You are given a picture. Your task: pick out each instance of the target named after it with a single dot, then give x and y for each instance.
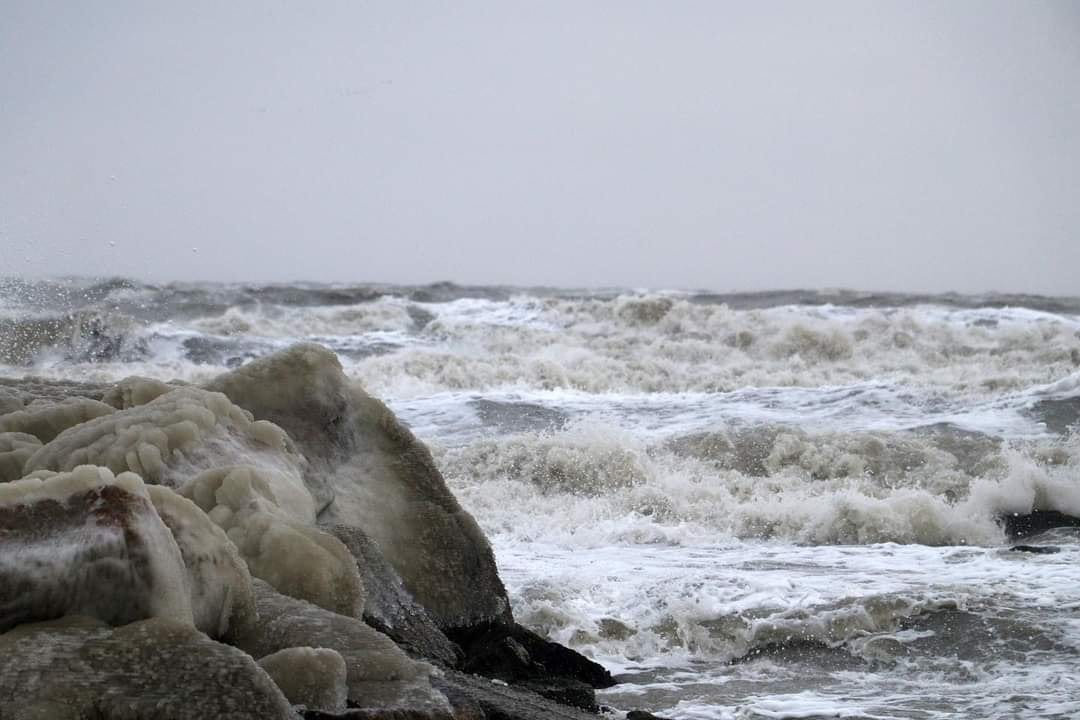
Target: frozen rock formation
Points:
(87, 543)
(218, 580)
(155, 669)
(47, 420)
(384, 481)
(15, 449)
(169, 439)
(269, 519)
(312, 677)
(380, 675)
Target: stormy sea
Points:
(791, 504)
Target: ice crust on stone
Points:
(218, 580)
(170, 439)
(46, 420)
(87, 542)
(155, 668)
(268, 518)
(134, 391)
(15, 449)
(313, 677)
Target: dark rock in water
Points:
(384, 481)
(389, 608)
(515, 654)
(642, 715)
(470, 693)
(1036, 549)
(203, 350)
(1021, 525)
(154, 669)
(380, 675)
(86, 543)
(563, 690)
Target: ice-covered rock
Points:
(155, 669)
(269, 519)
(134, 391)
(312, 677)
(47, 420)
(15, 449)
(90, 543)
(380, 674)
(170, 439)
(384, 480)
(218, 580)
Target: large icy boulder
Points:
(87, 543)
(384, 481)
(155, 669)
(91, 543)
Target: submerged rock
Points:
(87, 543)
(154, 669)
(384, 481)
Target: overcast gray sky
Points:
(873, 145)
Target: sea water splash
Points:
(767, 505)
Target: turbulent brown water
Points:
(777, 504)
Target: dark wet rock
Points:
(566, 691)
(1021, 525)
(86, 543)
(389, 608)
(515, 654)
(1036, 549)
(642, 715)
(204, 350)
(384, 481)
(154, 669)
(380, 675)
(469, 693)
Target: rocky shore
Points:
(274, 544)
